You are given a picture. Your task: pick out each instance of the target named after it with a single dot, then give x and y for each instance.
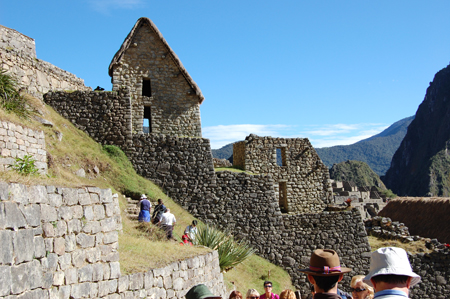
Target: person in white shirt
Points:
(191, 230)
(167, 222)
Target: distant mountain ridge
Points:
(376, 151)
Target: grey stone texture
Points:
(52, 257)
(16, 141)
(18, 57)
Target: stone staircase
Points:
(132, 209)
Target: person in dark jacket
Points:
(160, 208)
(324, 273)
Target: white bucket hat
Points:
(390, 260)
(143, 196)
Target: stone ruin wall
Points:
(71, 237)
(18, 58)
(302, 178)
(100, 114)
(16, 141)
(175, 108)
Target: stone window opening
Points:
(147, 125)
(282, 197)
(281, 156)
(146, 87)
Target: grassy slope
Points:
(137, 252)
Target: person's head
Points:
(268, 287)
(234, 294)
(194, 222)
(360, 289)
(287, 294)
(200, 291)
(325, 270)
(390, 268)
(143, 196)
(159, 201)
(252, 294)
(167, 210)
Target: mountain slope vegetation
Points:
(357, 172)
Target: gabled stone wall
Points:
(174, 106)
(301, 182)
(18, 57)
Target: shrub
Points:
(10, 99)
(25, 165)
(231, 252)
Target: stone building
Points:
(164, 97)
(300, 177)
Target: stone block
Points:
(108, 224)
(111, 237)
(5, 281)
(6, 248)
(136, 281)
(65, 261)
(178, 284)
(97, 272)
(95, 198)
(48, 213)
(23, 239)
(106, 196)
(84, 198)
(4, 191)
(13, 217)
(109, 209)
(65, 213)
(78, 258)
(71, 276)
(48, 230)
(55, 200)
(74, 226)
(70, 196)
(39, 247)
(99, 212)
(59, 245)
(80, 290)
(77, 212)
(148, 280)
(58, 278)
(85, 240)
(103, 288)
(18, 193)
(61, 228)
(32, 213)
(115, 270)
(88, 213)
(85, 273)
(123, 283)
(70, 242)
(93, 255)
(25, 277)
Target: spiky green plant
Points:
(25, 165)
(231, 252)
(10, 99)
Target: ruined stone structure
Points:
(246, 204)
(162, 92)
(301, 179)
(366, 199)
(62, 243)
(18, 57)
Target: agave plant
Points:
(231, 252)
(10, 99)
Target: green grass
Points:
(412, 247)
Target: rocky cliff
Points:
(418, 167)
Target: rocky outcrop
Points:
(418, 168)
(357, 172)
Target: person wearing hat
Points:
(200, 291)
(145, 206)
(390, 273)
(324, 273)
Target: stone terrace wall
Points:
(18, 57)
(303, 174)
(62, 243)
(105, 116)
(17, 141)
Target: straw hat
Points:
(200, 291)
(390, 261)
(325, 262)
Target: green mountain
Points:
(225, 152)
(376, 151)
(357, 172)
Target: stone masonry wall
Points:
(62, 243)
(175, 108)
(103, 115)
(18, 57)
(16, 141)
(302, 174)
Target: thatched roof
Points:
(424, 216)
(127, 42)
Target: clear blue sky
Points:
(333, 71)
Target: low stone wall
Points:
(100, 114)
(62, 243)
(16, 141)
(18, 57)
